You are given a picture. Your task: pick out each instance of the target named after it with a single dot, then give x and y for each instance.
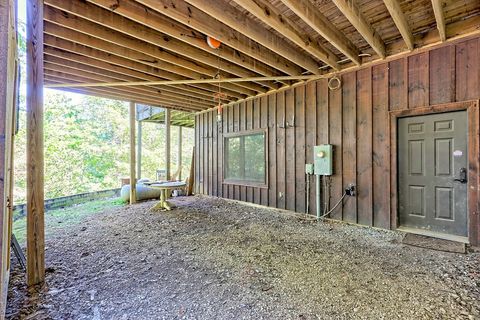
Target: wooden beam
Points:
(440, 18)
(133, 176)
(310, 14)
(167, 143)
(235, 19)
(456, 32)
(104, 24)
(76, 52)
(194, 47)
(8, 93)
(133, 92)
(139, 149)
(135, 53)
(400, 21)
(35, 162)
(56, 77)
(146, 91)
(179, 152)
(352, 12)
(112, 96)
(269, 15)
(97, 67)
(173, 82)
(191, 178)
(200, 21)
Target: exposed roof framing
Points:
(269, 15)
(199, 21)
(235, 19)
(100, 59)
(71, 68)
(75, 21)
(440, 18)
(400, 21)
(223, 58)
(155, 52)
(318, 22)
(147, 113)
(352, 12)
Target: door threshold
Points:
(434, 234)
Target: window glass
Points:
(245, 158)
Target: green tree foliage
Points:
(87, 142)
(87, 145)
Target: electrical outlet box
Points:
(309, 168)
(323, 159)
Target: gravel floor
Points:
(216, 259)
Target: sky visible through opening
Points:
(22, 20)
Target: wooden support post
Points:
(35, 162)
(8, 90)
(191, 178)
(167, 143)
(133, 178)
(139, 149)
(179, 150)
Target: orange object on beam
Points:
(213, 43)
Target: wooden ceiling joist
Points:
(269, 15)
(236, 20)
(200, 21)
(307, 11)
(77, 52)
(156, 51)
(122, 95)
(147, 38)
(221, 80)
(351, 11)
(110, 48)
(165, 96)
(440, 19)
(134, 55)
(133, 92)
(92, 68)
(149, 18)
(107, 94)
(400, 20)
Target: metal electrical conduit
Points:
(318, 198)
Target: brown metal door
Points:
(432, 166)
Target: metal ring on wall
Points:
(334, 83)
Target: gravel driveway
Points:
(216, 259)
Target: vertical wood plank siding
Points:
(355, 119)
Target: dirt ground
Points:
(216, 259)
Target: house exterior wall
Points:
(354, 118)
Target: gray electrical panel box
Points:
(323, 159)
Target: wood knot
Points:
(115, 5)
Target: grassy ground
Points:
(61, 218)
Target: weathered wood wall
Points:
(355, 119)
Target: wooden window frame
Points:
(244, 183)
(473, 194)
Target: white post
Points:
(167, 144)
(139, 149)
(179, 150)
(133, 178)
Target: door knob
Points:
(463, 176)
